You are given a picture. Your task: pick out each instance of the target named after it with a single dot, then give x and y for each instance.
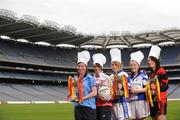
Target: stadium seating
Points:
(24, 62)
(40, 55)
(25, 92)
(27, 53)
(174, 90)
(29, 92)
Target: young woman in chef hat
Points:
(121, 109)
(137, 82)
(158, 84)
(103, 101)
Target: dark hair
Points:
(86, 69)
(156, 62)
(99, 66)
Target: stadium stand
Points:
(174, 91)
(33, 72)
(25, 92)
(29, 55)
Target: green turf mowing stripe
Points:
(59, 111)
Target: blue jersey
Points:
(138, 81)
(88, 83)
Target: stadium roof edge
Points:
(29, 28)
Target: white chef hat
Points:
(137, 56)
(155, 51)
(115, 55)
(99, 58)
(83, 57)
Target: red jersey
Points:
(163, 81)
(102, 80)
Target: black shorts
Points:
(104, 113)
(84, 113)
(154, 111)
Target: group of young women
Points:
(133, 95)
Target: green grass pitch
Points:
(59, 111)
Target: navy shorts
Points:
(84, 113)
(104, 113)
(154, 111)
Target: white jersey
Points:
(121, 108)
(138, 82)
(102, 80)
(119, 74)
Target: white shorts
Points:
(118, 112)
(139, 109)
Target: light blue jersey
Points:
(88, 83)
